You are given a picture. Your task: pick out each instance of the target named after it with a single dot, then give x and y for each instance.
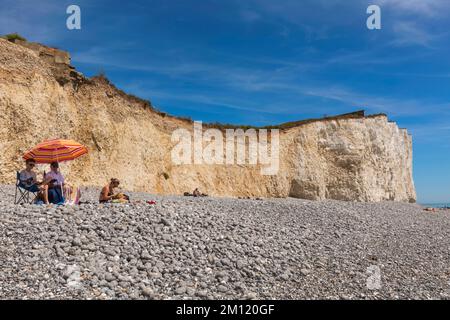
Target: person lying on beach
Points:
(108, 193)
(28, 180)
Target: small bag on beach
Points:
(72, 195)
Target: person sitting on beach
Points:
(28, 180)
(196, 193)
(54, 178)
(27, 176)
(108, 193)
(54, 184)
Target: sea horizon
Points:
(436, 205)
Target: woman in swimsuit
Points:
(107, 193)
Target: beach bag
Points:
(72, 196)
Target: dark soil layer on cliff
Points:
(206, 248)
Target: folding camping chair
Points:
(23, 193)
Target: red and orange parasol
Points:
(57, 150)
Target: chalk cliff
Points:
(351, 157)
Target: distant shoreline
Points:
(436, 205)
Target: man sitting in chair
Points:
(27, 176)
(28, 180)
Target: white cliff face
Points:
(360, 158)
(367, 159)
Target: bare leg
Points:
(67, 192)
(44, 190)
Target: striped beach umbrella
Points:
(57, 150)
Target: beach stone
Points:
(180, 290)
(222, 248)
(148, 293)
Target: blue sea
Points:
(436, 205)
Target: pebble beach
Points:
(220, 248)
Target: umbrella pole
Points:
(62, 189)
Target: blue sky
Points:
(265, 61)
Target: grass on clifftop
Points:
(13, 36)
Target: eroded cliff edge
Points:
(345, 158)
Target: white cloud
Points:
(429, 8)
(409, 33)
